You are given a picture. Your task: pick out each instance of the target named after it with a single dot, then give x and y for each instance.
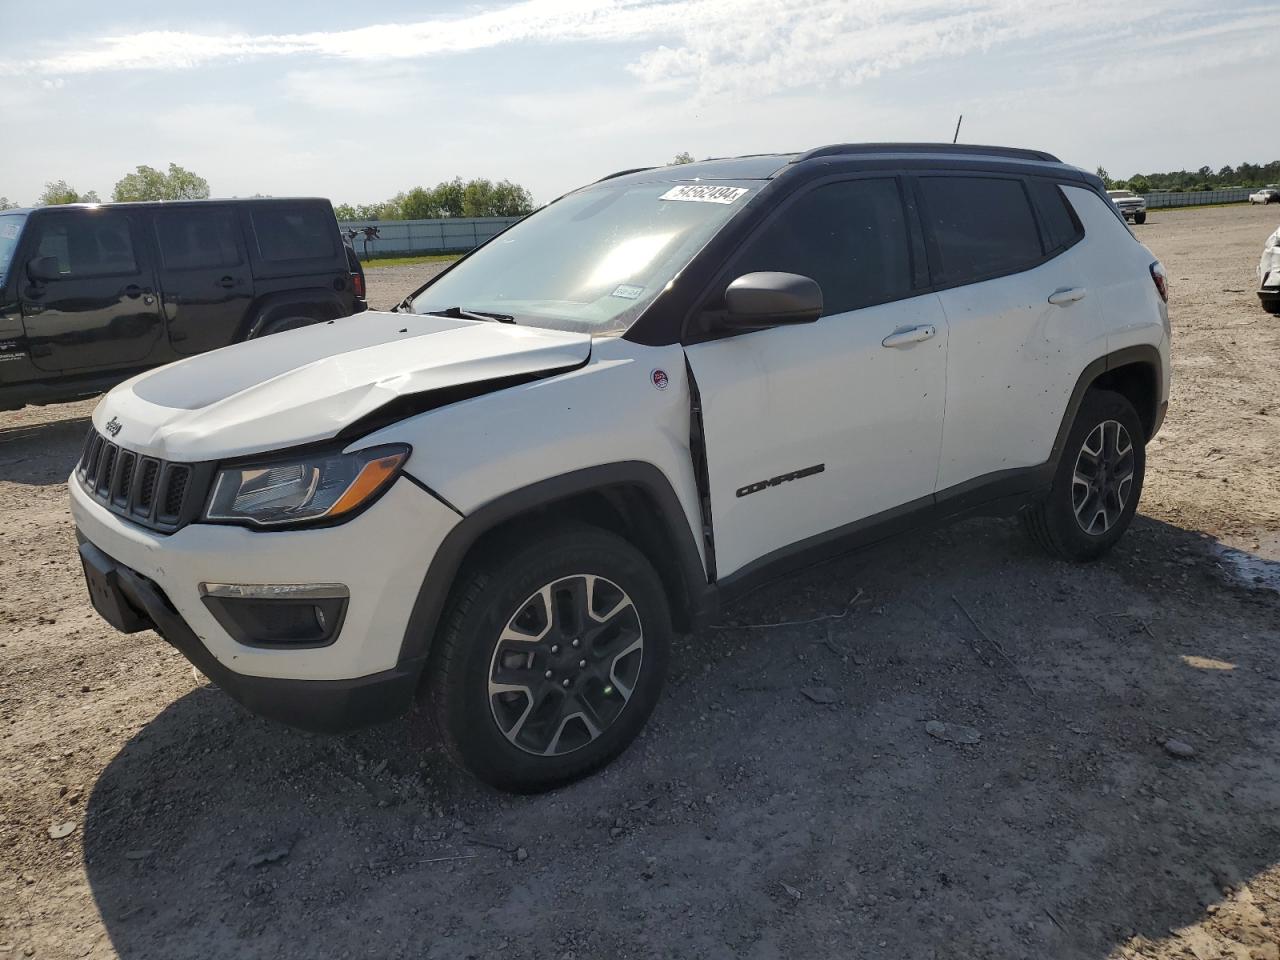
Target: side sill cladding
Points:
(445, 565)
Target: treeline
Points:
(452, 198)
(1184, 181)
(145, 183)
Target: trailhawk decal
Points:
(703, 193)
(751, 488)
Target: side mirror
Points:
(41, 269)
(756, 301)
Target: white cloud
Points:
(747, 46)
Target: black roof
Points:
(766, 166)
(144, 204)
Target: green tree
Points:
(684, 156)
(344, 211)
(451, 197)
(1139, 184)
(5, 204)
(59, 192)
(510, 200)
(148, 183)
(1105, 177)
(420, 204)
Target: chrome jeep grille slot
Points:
(156, 494)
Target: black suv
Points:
(91, 294)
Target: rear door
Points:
(810, 428)
(101, 311)
(205, 281)
(1021, 316)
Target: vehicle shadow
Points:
(40, 454)
(786, 799)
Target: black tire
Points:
(1053, 523)
(490, 596)
(1140, 217)
(285, 323)
(1272, 306)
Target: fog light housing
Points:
(278, 615)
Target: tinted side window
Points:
(851, 237)
(982, 226)
(193, 239)
(96, 244)
(295, 233)
(1061, 226)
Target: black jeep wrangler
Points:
(91, 294)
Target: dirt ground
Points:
(144, 814)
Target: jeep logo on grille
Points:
(114, 426)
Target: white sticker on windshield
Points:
(9, 231)
(704, 193)
(627, 291)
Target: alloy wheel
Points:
(565, 665)
(1103, 477)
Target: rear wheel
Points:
(1097, 484)
(282, 324)
(550, 658)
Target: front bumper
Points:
(131, 602)
(379, 556)
(1269, 297)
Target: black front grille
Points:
(157, 494)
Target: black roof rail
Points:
(968, 149)
(623, 173)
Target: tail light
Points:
(1161, 280)
(357, 283)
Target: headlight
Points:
(308, 489)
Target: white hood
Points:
(306, 385)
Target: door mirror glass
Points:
(758, 300)
(41, 269)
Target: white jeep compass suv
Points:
(631, 407)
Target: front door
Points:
(813, 427)
(100, 311)
(204, 275)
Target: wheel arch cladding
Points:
(1138, 381)
(625, 498)
(1131, 372)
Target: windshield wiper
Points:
(457, 313)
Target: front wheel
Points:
(550, 658)
(1097, 483)
(1140, 217)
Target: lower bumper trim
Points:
(324, 706)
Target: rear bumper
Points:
(328, 706)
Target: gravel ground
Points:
(788, 798)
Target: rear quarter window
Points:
(981, 227)
(1061, 225)
(285, 233)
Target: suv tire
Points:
(550, 658)
(285, 323)
(1097, 484)
(1140, 217)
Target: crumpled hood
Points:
(306, 385)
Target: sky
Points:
(357, 102)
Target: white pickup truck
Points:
(1131, 206)
(1266, 195)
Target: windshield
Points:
(10, 230)
(1119, 193)
(593, 260)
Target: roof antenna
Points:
(955, 138)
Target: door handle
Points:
(228, 282)
(1067, 296)
(904, 338)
